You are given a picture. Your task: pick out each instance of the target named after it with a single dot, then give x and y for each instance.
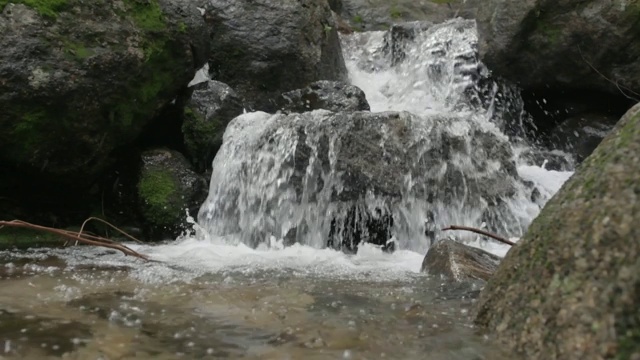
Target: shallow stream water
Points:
(210, 297)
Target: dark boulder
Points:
(580, 135)
(454, 261)
(569, 288)
(167, 188)
(78, 81)
(328, 95)
(212, 105)
(572, 43)
(263, 48)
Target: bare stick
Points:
(481, 232)
(616, 83)
(111, 226)
(84, 239)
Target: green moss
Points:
(442, 1)
(25, 238)
(147, 15)
(157, 191)
(182, 27)
(46, 8)
(395, 13)
(78, 50)
(357, 19)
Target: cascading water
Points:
(432, 152)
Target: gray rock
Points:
(167, 188)
(212, 105)
(329, 95)
(580, 135)
(454, 261)
(263, 48)
(370, 15)
(569, 43)
(78, 82)
(569, 288)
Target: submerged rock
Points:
(328, 95)
(569, 288)
(263, 48)
(167, 188)
(212, 105)
(454, 261)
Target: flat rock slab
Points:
(455, 261)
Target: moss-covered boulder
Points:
(262, 48)
(570, 288)
(79, 79)
(206, 115)
(167, 188)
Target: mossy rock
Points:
(569, 288)
(15, 238)
(80, 79)
(167, 189)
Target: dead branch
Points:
(481, 232)
(77, 237)
(111, 226)
(615, 83)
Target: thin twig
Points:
(84, 239)
(111, 226)
(481, 232)
(617, 85)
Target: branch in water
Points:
(77, 237)
(481, 232)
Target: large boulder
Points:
(211, 106)
(323, 94)
(79, 79)
(567, 44)
(262, 48)
(341, 178)
(570, 287)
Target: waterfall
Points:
(435, 150)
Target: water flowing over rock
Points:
(327, 95)
(212, 105)
(391, 178)
(569, 288)
(77, 82)
(263, 48)
(310, 172)
(454, 261)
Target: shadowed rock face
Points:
(79, 80)
(457, 262)
(570, 288)
(328, 95)
(263, 48)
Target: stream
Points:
(244, 294)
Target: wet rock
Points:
(580, 135)
(329, 95)
(77, 82)
(399, 36)
(212, 105)
(549, 48)
(318, 183)
(454, 261)
(167, 188)
(264, 48)
(569, 288)
(370, 15)
(549, 159)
